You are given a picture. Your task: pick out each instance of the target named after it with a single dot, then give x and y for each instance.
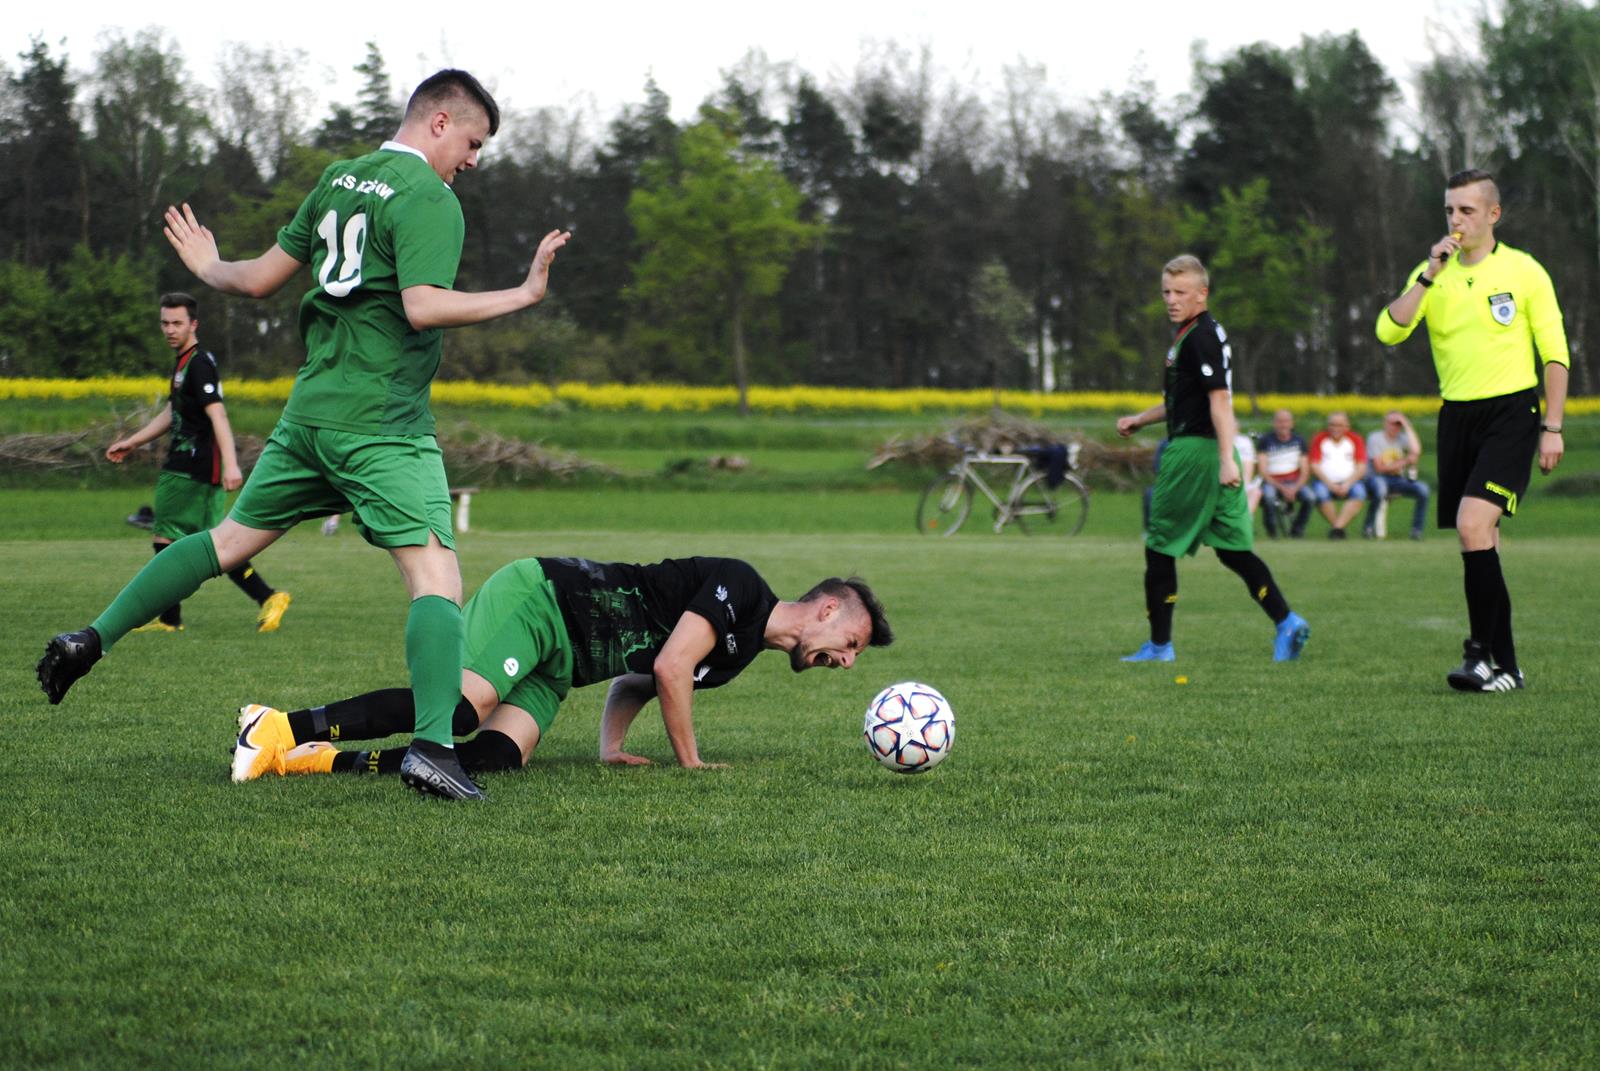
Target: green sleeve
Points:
(428, 232)
(1391, 333)
(299, 236)
(1549, 333)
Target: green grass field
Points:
(1333, 863)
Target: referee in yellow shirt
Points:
(1488, 308)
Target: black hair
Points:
(855, 589)
(450, 84)
(1468, 177)
(177, 299)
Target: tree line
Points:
(894, 229)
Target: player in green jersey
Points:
(1489, 308)
(382, 234)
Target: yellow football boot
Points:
(264, 738)
(312, 757)
(271, 615)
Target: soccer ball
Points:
(910, 727)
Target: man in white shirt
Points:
(1339, 463)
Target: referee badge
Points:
(1503, 307)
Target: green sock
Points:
(167, 579)
(434, 637)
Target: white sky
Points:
(596, 54)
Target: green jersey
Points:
(372, 227)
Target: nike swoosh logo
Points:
(245, 732)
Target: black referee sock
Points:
(1486, 595)
(1258, 581)
(1160, 593)
(251, 584)
(371, 717)
(1503, 649)
(172, 615)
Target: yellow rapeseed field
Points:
(676, 398)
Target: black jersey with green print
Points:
(618, 616)
(1199, 362)
(196, 384)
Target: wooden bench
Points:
(460, 501)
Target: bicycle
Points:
(1029, 500)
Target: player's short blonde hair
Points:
(1188, 264)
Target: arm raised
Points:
(196, 246)
(434, 306)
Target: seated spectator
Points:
(1392, 455)
(1285, 474)
(1339, 468)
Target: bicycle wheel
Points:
(1063, 509)
(945, 504)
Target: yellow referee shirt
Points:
(1484, 323)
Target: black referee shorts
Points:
(1486, 450)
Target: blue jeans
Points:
(1384, 486)
(1271, 498)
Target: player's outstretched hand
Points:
(623, 758)
(118, 450)
(539, 271)
(1127, 425)
(196, 245)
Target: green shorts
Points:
(185, 506)
(393, 484)
(1190, 506)
(517, 641)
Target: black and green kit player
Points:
(542, 626)
(382, 234)
(1199, 498)
(202, 463)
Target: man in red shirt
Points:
(1339, 465)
